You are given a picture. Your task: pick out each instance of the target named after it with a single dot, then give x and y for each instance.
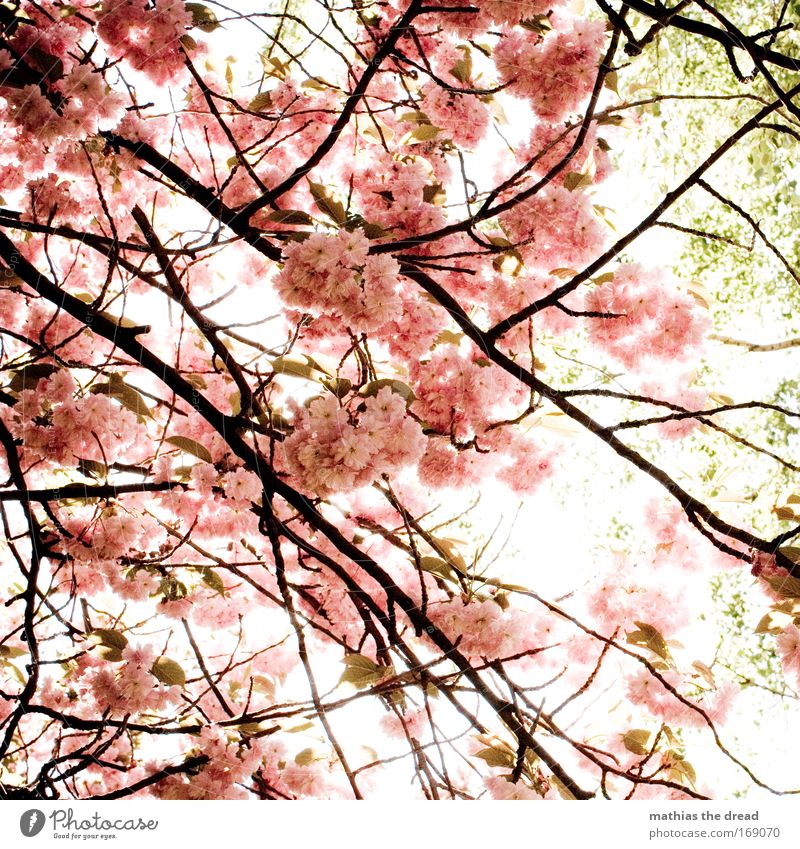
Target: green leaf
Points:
(791, 551)
(326, 203)
(108, 637)
(235, 399)
(305, 757)
(462, 70)
(681, 770)
(397, 386)
(169, 672)
(454, 556)
(298, 365)
(502, 585)
(362, 672)
(51, 66)
(126, 395)
(650, 638)
(785, 585)
(501, 600)
(203, 18)
(637, 740)
(415, 117)
(573, 180)
(9, 280)
(190, 446)
(17, 673)
(423, 133)
(213, 580)
(261, 102)
(250, 728)
(290, 216)
(372, 230)
(437, 566)
(273, 67)
(262, 684)
(434, 193)
(29, 376)
(447, 337)
(563, 273)
(705, 672)
(340, 386)
(12, 651)
(110, 643)
(540, 24)
(317, 84)
(92, 468)
(496, 757)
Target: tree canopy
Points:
(398, 398)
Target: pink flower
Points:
(789, 653)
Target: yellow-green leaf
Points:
(108, 637)
(326, 203)
(29, 376)
(190, 446)
(637, 741)
(362, 672)
(127, 396)
(397, 386)
(650, 638)
(496, 757)
(298, 365)
(290, 216)
(261, 102)
(785, 585)
(213, 580)
(169, 672)
(423, 133)
(437, 566)
(12, 651)
(340, 386)
(203, 18)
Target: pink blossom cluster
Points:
(549, 144)
(557, 73)
(336, 448)
(496, 11)
(672, 706)
(555, 228)
(457, 391)
(334, 273)
(482, 629)
(228, 764)
(789, 654)
(647, 318)
(56, 423)
(683, 395)
(463, 117)
(125, 688)
(147, 37)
